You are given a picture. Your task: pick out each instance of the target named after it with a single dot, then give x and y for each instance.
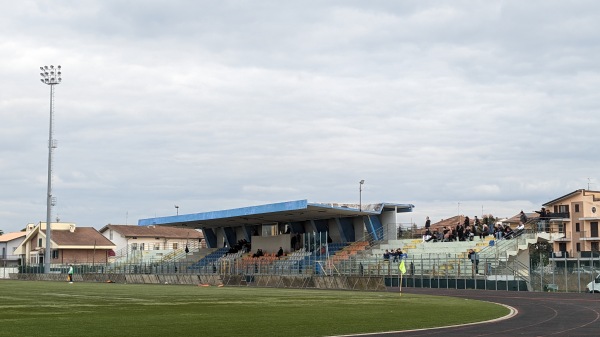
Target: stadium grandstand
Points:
(341, 246)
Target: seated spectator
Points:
(439, 235)
(519, 230)
(279, 252)
(427, 235)
(258, 253)
(508, 232)
(386, 255)
(498, 232)
(446, 233)
(485, 231)
(397, 254)
(433, 236)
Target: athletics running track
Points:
(537, 314)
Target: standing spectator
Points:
(298, 241)
(522, 217)
(293, 242)
(70, 273)
(427, 223)
(543, 216)
(474, 257)
(460, 232)
(479, 227)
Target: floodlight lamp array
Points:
(51, 75)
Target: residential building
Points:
(146, 238)
(575, 216)
(69, 244)
(8, 244)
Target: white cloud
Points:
(213, 105)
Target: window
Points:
(55, 253)
(134, 246)
(156, 246)
(578, 247)
(595, 246)
(563, 208)
(175, 245)
(577, 229)
(576, 208)
(39, 242)
(110, 234)
(4, 252)
(269, 230)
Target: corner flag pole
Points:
(402, 269)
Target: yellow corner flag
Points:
(402, 267)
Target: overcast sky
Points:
(461, 106)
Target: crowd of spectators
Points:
(394, 255)
(469, 230)
(241, 246)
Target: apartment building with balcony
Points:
(575, 216)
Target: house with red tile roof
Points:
(152, 238)
(8, 243)
(69, 244)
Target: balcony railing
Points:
(589, 235)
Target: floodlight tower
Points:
(50, 76)
(360, 185)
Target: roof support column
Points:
(229, 235)
(346, 229)
(210, 237)
(319, 225)
(248, 232)
(374, 227)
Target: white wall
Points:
(4, 272)
(271, 244)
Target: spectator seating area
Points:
(292, 263)
(427, 257)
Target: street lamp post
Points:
(177, 209)
(50, 76)
(360, 184)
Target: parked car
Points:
(594, 286)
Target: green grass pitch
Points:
(29, 308)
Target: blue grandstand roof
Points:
(289, 211)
